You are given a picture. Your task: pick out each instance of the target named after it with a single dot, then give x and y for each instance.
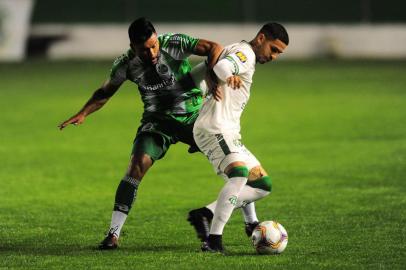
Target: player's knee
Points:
(264, 183)
(256, 173)
(238, 171)
(139, 165)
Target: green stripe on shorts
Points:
(223, 144)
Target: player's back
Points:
(224, 116)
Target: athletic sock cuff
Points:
(238, 171)
(134, 182)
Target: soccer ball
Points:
(269, 237)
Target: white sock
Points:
(250, 215)
(226, 202)
(117, 221)
(212, 206)
(249, 194)
(246, 199)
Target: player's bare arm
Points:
(98, 99)
(210, 49)
(213, 51)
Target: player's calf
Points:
(125, 196)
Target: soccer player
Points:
(217, 134)
(159, 66)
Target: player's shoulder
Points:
(168, 39)
(175, 40)
(121, 63)
(242, 50)
(162, 38)
(124, 58)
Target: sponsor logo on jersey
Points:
(163, 85)
(241, 56)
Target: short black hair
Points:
(274, 30)
(140, 30)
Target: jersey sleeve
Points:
(179, 46)
(241, 60)
(198, 74)
(118, 72)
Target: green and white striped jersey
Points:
(166, 89)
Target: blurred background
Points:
(327, 122)
(97, 29)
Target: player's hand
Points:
(234, 82)
(74, 120)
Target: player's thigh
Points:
(155, 145)
(210, 147)
(240, 156)
(220, 149)
(147, 148)
(184, 133)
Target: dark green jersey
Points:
(166, 89)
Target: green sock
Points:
(126, 194)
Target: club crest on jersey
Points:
(148, 127)
(163, 71)
(241, 56)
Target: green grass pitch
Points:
(332, 134)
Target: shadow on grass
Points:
(37, 249)
(71, 249)
(240, 254)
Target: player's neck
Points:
(254, 45)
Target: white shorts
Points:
(224, 149)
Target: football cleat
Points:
(205, 246)
(193, 149)
(200, 219)
(249, 227)
(214, 244)
(110, 242)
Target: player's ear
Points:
(261, 38)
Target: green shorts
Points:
(155, 135)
